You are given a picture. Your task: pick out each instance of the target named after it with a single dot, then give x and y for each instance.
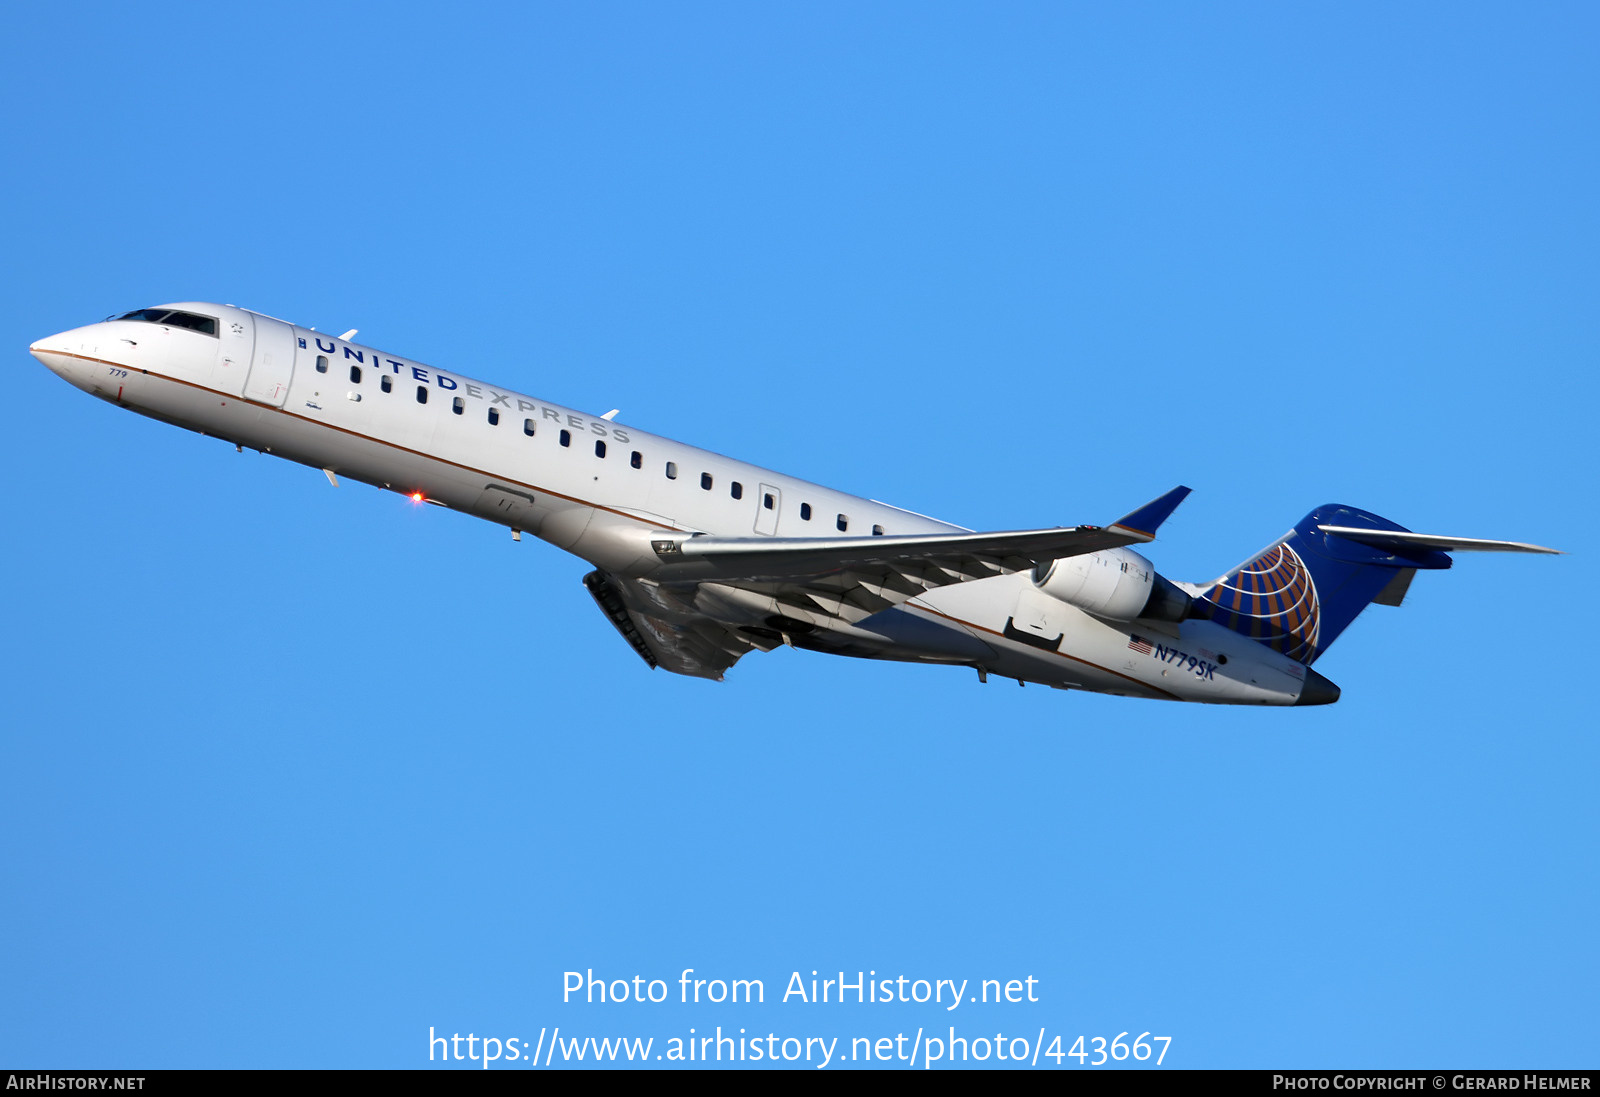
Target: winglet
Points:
(1144, 522)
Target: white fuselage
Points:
(598, 489)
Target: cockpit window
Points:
(204, 324)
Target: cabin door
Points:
(271, 365)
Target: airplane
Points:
(700, 559)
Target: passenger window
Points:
(877, 531)
(422, 394)
(385, 383)
(843, 523)
(322, 363)
(672, 470)
(705, 481)
(599, 448)
(458, 405)
(527, 427)
(737, 490)
(637, 460)
(355, 375)
(566, 438)
(494, 417)
(805, 512)
(768, 501)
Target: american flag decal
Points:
(1139, 644)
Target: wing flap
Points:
(663, 632)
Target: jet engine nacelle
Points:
(1117, 584)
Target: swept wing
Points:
(682, 617)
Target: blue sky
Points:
(294, 774)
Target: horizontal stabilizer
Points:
(1398, 540)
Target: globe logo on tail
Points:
(1271, 599)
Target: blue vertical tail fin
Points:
(1300, 593)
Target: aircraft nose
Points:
(41, 347)
(48, 349)
(55, 353)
